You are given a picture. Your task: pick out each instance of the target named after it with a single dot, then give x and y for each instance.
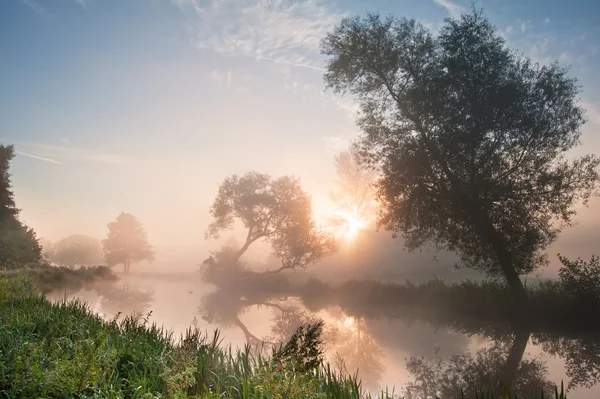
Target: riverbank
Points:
(49, 350)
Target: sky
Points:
(145, 106)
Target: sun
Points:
(347, 225)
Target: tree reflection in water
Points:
(344, 337)
(486, 369)
(354, 343)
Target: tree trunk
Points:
(515, 355)
(493, 237)
(277, 270)
(243, 249)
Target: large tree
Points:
(276, 211)
(127, 242)
(470, 139)
(77, 249)
(18, 242)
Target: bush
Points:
(580, 278)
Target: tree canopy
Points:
(469, 139)
(127, 242)
(77, 249)
(18, 242)
(277, 211)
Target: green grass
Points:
(63, 350)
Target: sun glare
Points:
(348, 225)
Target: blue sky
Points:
(145, 106)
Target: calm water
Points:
(387, 351)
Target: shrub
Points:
(580, 278)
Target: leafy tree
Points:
(276, 211)
(127, 242)
(469, 138)
(77, 249)
(18, 242)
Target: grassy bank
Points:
(63, 350)
(47, 278)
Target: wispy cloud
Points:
(291, 63)
(35, 6)
(50, 151)
(49, 160)
(453, 9)
(547, 20)
(281, 31)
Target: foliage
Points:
(127, 242)
(222, 266)
(76, 249)
(47, 278)
(18, 242)
(277, 211)
(304, 348)
(581, 278)
(469, 139)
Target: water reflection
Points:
(484, 369)
(418, 353)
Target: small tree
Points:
(469, 139)
(276, 211)
(18, 243)
(77, 249)
(126, 243)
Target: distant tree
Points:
(276, 211)
(126, 243)
(353, 194)
(353, 189)
(468, 138)
(77, 249)
(18, 242)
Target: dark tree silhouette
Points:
(469, 139)
(276, 211)
(77, 249)
(126, 243)
(18, 243)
